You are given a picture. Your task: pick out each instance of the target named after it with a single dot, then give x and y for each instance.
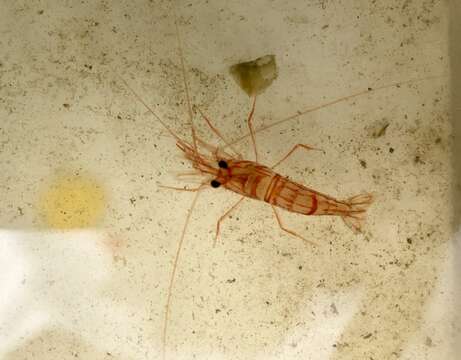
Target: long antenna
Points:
(173, 273)
(184, 76)
(328, 103)
(140, 99)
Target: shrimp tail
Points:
(356, 216)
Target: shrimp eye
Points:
(215, 183)
(222, 164)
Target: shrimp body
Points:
(260, 182)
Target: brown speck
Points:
(391, 150)
(325, 27)
(217, 311)
(40, 12)
(363, 163)
(119, 117)
(417, 159)
(438, 140)
(409, 241)
(333, 309)
(381, 131)
(300, 267)
(66, 105)
(370, 89)
(230, 281)
(428, 341)
(21, 213)
(367, 336)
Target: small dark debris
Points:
(230, 281)
(66, 105)
(417, 159)
(391, 150)
(40, 12)
(119, 117)
(409, 241)
(381, 131)
(363, 163)
(333, 308)
(267, 302)
(89, 67)
(367, 336)
(438, 140)
(20, 211)
(132, 201)
(428, 341)
(217, 311)
(300, 267)
(325, 27)
(370, 89)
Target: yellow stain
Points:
(72, 202)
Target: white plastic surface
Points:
(88, 238)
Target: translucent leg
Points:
(226, 214)
(217, 132)
(296, 147)
(291, 232)
(181, 189)
(250, 126)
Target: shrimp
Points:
(250, 179)
(218, 168)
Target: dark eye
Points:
(215, 183)
(222, 164)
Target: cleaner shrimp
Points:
(223, 168)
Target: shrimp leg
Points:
(296, 147)
(181, 189)
(226, 214)
(252, 131)
(291, 232)
(216, 131)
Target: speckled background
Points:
(88, 238)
